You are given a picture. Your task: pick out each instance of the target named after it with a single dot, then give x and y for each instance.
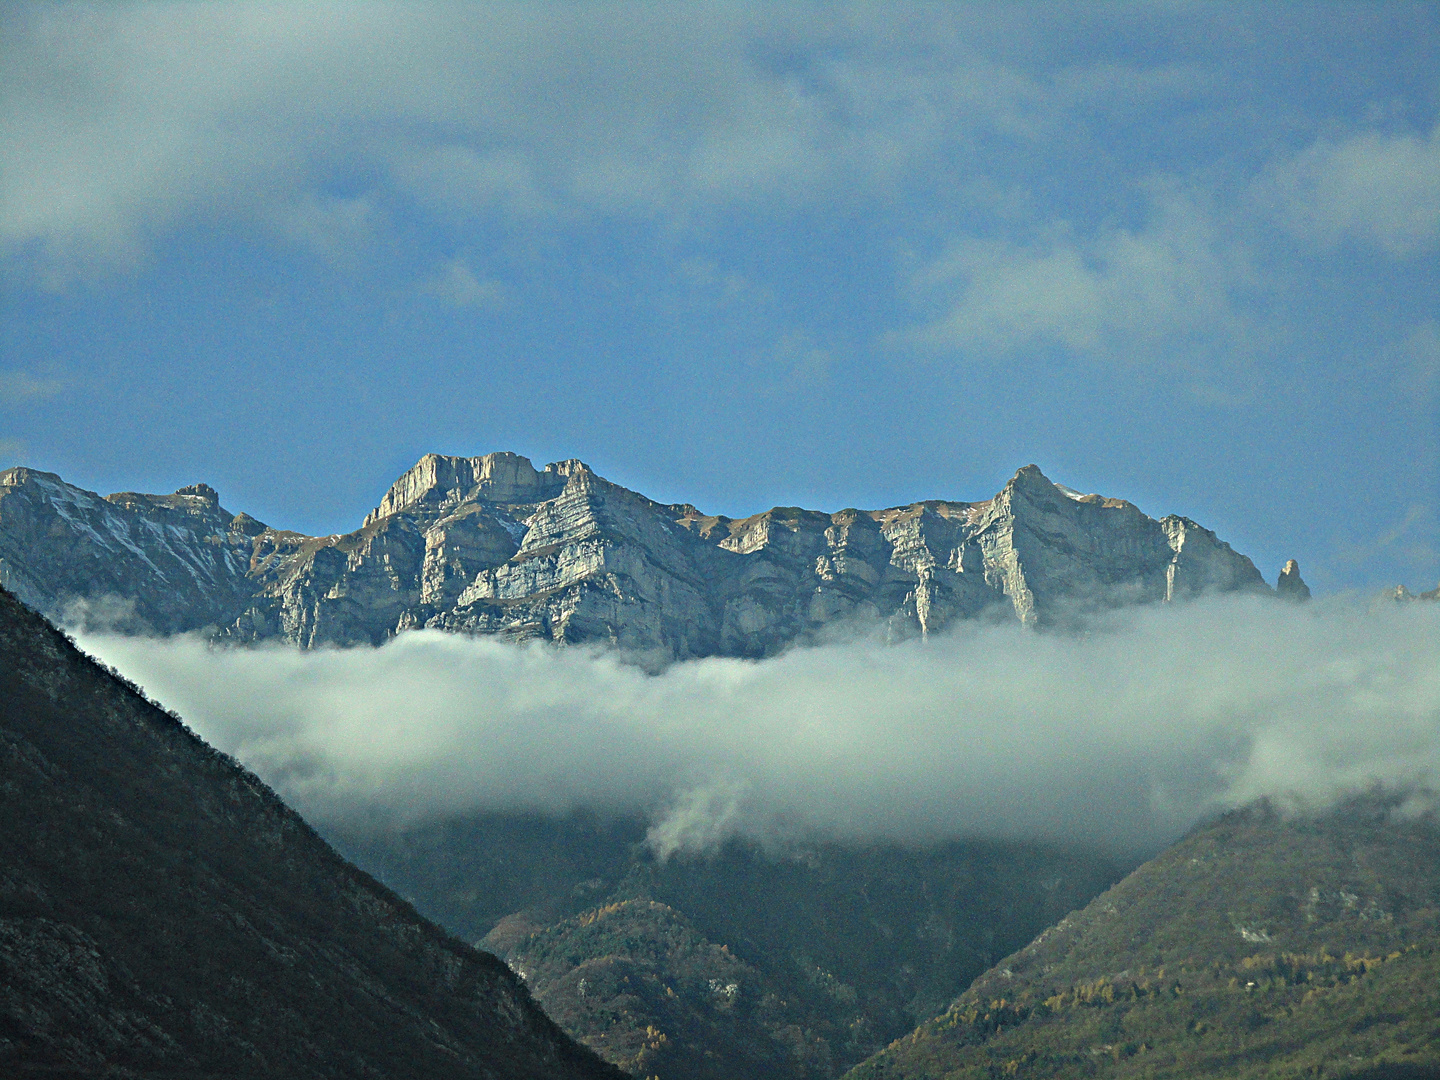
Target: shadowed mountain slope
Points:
(164, 914)
(791, 962)
(490, 545)
(1256, 947)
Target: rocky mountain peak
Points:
(569, 467)
(1031, 481)
(491, 544)
(200, 491)
(1400, 592)
(245, 525)
(1291, 586)
(1032, 486)
(439, 481)
(577, 476)
(45, 485)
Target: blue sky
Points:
(738, 255)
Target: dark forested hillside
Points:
(1256, 947)
(162, 913)
(796, 961)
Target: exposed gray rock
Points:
(1400, 592)
(1052, 551)
(1291, 586)
(437, 483)
(491, 545)
(162, 563)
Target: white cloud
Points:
(1148, 293)
(795, 364)
(1372, 187)
(457, 179)
(118, 121)
(1124, 735)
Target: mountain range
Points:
(491, 545)
(162, 912)
(164, 915)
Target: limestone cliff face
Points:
(1051, 550)
(437, 483)
(156, 562)
(491, 545)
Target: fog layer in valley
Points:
(1124, 734)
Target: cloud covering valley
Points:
(1123, 735)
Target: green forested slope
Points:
(1256, 947)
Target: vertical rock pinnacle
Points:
(1291, 585)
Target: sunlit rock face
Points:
(491, 545)
(1052, 550)
(161, 563)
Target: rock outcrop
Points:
(162, 563)
(491, 545)
(1401, 593)
(1291, 586)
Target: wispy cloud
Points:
(336, 229)
(795, 364)
(249, 110)
(1373, 187)
(458, 285)
(1151, 295)
(17, 387)
(1122, 736)
(168, 110)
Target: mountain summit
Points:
(492, 545)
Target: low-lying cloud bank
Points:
(1123, 735)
